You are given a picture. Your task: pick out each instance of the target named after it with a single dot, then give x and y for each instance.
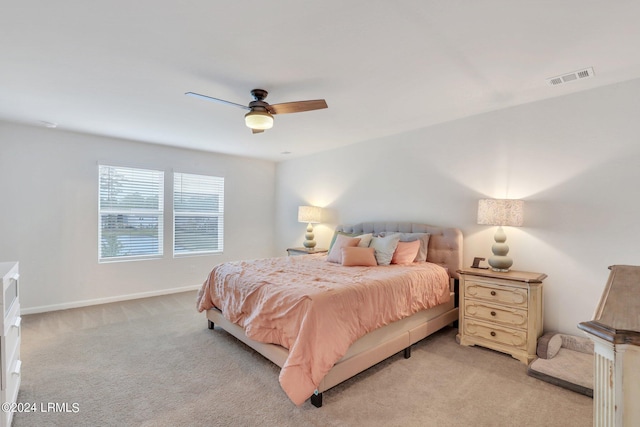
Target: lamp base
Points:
(500, 261)
(309, 243)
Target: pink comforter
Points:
(317, 309)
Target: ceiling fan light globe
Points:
(261, 120)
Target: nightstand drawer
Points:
(503, 315)
(513, 338)
(498, 294)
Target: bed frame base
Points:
(316, 398)
(353, 365)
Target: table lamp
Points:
(500, 212)
(310, 215)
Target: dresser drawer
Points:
(13, 378)
(495, 333)
(11, 340)
(498, 294)
(501, 314)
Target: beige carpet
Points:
(153, 362)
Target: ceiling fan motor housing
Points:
(259, 94)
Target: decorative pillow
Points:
(342, 241)
(424, 243)
(385, 247)
(549, 345)
(405, 252)
(359, 256)
(339, 233)
(365, 240)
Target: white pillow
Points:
(365, 240)
(385, 247)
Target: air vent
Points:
(570, 77)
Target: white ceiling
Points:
(120, 68)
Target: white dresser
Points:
(10, 339)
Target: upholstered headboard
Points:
(445, 244)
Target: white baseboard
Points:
(85, 303)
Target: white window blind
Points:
(198, 214)
(131, 213)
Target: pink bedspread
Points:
(317, 309)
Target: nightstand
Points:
(305, 251)
(501, 310)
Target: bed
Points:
(347, 319)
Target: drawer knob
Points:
(493, 293)
(17, 368)
(16, 322)
(493, 313)
(493, 334)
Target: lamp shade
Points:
(500, 212)
(260, 120)
(309, 214)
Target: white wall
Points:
(49, 220)
(575, 160)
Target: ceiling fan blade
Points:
(257, 130)
(221, 101)
(297, 107)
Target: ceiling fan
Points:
(260, 115)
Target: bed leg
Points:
(210, 324)
(316, 400)
(407, 352)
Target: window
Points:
(198, 214)
(131, 213)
